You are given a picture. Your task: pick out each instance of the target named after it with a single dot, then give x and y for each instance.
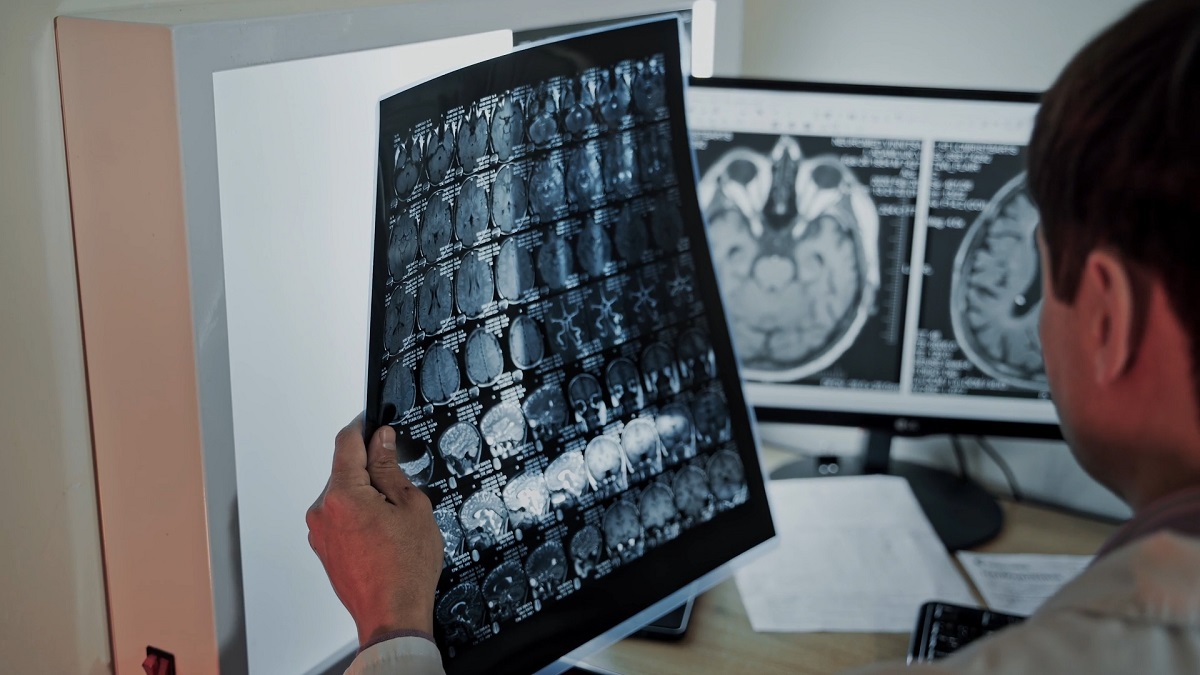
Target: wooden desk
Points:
(720, 640)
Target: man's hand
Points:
(375, 534)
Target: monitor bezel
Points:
(896, 424)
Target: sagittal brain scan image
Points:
(982, 302)
(544, 342)
(803, 231)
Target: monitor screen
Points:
(876, 253)
(546, 339)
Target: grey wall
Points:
(1014, 44)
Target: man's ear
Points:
(1106, 292)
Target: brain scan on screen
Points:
(400, 320)
(577, 104)
(676, 431)
(473, 284)
(555, 261)
(527, 499)
(629, 235)
(588, 402)
(794, 241)
(639, 440)
(399, 392)
(451, 529)
(460, 611)
(693, 497)
(586, 547)
(606, 463)
(514, 270)
(437, 226)
(545, 410)
(526, 343)
(543, 114)
(621, 176)
(996, 291)
(613, 96)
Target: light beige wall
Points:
(1000, 44)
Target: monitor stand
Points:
(963, 514)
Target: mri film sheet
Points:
(978, 330)
(547, 343)
(810, 239)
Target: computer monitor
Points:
(876, 253)
(548, 341)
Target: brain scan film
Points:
(594, 248)
(460, 446)
(437, 227)
(419, 468)
(566, 477)
(996, 293)
(452, 534)
(473, 285)
(623, 531)
(514, 271)
(503, 428)
(586, 546)
(547, 565)
(545, 342)
(556, 261)
(527, 499)
(605, 461)
(402, 246)
(546, 409)
(795, 242)
(588, 402)
(439, 374)
(547, 190)
(510, 199)
(692, 495)
(485, 358)
(472, 139)
(630, 235)
(407, 160)
(508, 127)
(461, 612)
(526, 343)
(577, 104)
(484, 519)
(504, 590)
(657, 507)
(400, 320)
(439, 153)
(677, 432)
(435, 302)
(543, 126)
(471, 212)
(399, 392)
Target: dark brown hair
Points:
(1114, 161)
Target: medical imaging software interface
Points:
(876, 253)
(546, 336)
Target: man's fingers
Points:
(350, 454)
(382, 464)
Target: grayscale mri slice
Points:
(995, 297)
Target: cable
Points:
(960, 456)
(1004, 467)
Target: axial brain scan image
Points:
(996, 293)
(794, 240)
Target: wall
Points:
(1016, 44)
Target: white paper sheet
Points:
(856, 554)
(1018, 583)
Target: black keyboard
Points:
(943, 628)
